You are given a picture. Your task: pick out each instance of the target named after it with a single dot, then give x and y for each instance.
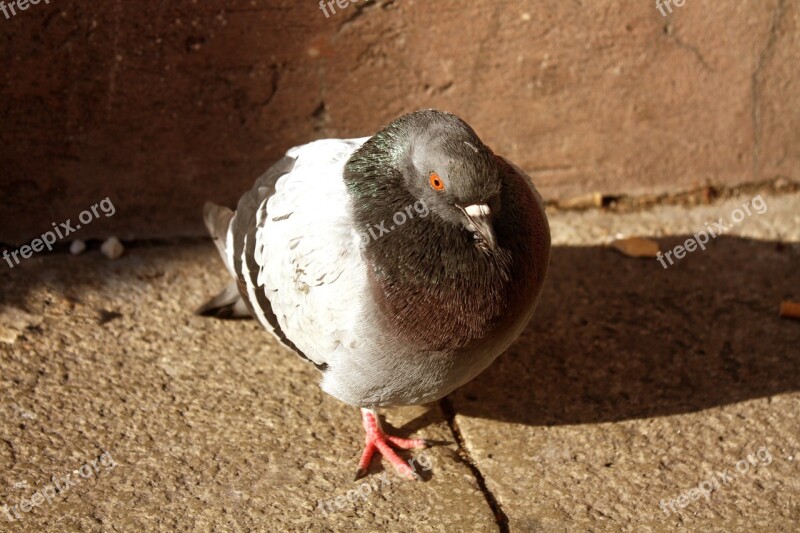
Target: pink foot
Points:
(376, 439)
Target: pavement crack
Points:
(12, 451)
(463, 455)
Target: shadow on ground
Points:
(616, 338)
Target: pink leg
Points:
(376, 439)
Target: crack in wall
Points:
(357, 12)
(670, 33)
(275, 79)
(757, 81)
(464, 457)
(692, 48)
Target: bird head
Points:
(454, 173)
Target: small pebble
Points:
(14, 322)
(112, 248)
(77, 247)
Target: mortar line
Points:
(464, 457)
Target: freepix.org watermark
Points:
(712, 231)
(325, 5)
(762, 457)
(668, 5)
(59, 486)
(369, 487)
(60, 231)
(22, 5)
(376, 231)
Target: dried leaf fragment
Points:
(790, 309)
(636, 247)
(584, 201)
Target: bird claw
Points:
(361, 472)
(377, 440)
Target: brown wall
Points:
(162, 105)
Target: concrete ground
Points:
(633, 386)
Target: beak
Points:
(479, 222)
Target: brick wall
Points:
(162, 105)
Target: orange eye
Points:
(436, 182)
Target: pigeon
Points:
(400, 265)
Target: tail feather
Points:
(226, 304)
(218, 220)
